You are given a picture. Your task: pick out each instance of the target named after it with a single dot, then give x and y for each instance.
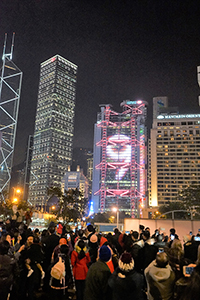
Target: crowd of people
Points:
(86, 265)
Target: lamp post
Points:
(115, 209)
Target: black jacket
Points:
(129, 285)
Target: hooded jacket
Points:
(80, 266)
(160, 282)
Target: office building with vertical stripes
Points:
(54, 127)
(119, 161)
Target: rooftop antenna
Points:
(8, 55)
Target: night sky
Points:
(134, 49)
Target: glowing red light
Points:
(53, 59)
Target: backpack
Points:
(58, 270)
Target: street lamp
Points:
(15, 200)
(115, 209)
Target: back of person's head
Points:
(141, 227)
(52, 229)
(116, 231)
(64, 249)
(176, 244)
(135, 235)
(62, 241)
(44, 232)
(146, 235)
(161, 259)
(36, 231)
(105, 253)
(4, 247)
(81, 245)
(36, 240)
(80, 233)
(172, 231)
(90, 228)
(126, 262)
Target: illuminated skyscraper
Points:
(54, 126)
(10, 88)
(119, 169)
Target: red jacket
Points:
(79, 267)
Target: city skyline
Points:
(133, 50)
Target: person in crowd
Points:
(59, 287)
(192, 290)
(125, 282)
(25, 286)
(14, 249)
(137, 245)
(81, 236)
(59, 229)
(35, 257)
(160, 278)
(116, 243)
(147, 253)
(50, 243)
(80, 259)
(56, 250)
(190, 248)
(141, 231)
(8, 268)
(176, 258)
(159, 243)
(172, 236)
(92, 243)
(96, 285)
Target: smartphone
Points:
(189, 270)
(68, 235)
(172, 237)
(190, 232)
(0, 228)
(161, 250)
(197, 238)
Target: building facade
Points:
(174, 156)
(119, 159)
(75, 179)
(10, 89)
(54, 126)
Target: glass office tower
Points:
(54, 127)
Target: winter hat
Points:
(62, 241)
(126, 262)
(93, 238)
(104, 253)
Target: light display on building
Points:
(120, 158)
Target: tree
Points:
(172, 206)
(190, 197)
(71, 205)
